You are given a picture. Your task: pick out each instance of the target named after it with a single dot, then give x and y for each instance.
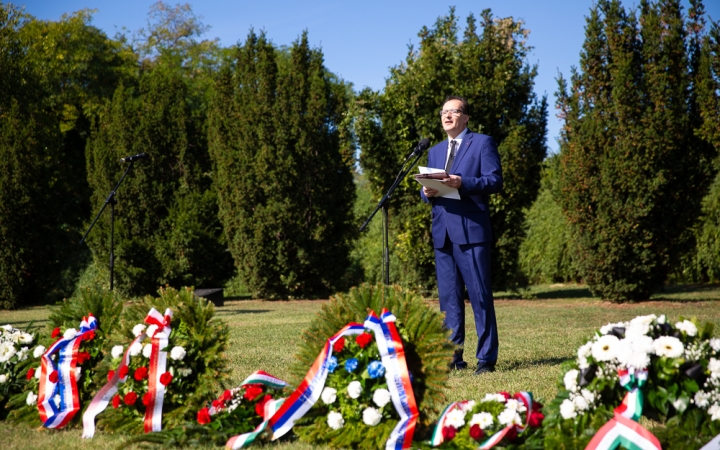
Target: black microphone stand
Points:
(110, 200)
(383, 204)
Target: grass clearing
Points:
(536, 336)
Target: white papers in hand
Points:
(443, 190)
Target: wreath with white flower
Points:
(15, 359)
(647, 366)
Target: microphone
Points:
(134, 157)
(422, 146)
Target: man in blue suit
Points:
(461, 231)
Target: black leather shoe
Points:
(484, 368)
(460, 365)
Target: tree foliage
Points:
(633, 166)
(488, 67)
(282, 168)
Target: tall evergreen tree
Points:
(488, 67)
(632, 165)
(282, 169)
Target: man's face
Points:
(453, 124)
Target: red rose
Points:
(476, 432)
(537, 406)
(147, 398)
(166, 378)
(82, 357)
(339, 345)
(536, 419)
(511, 434)
(111, 373)
(90, 335)
(227, 396)
(123, 371)
(140, 373)
(53, 376)
(363, 339)
(56, 332)
(31, 373)
(130, 398)
(253, 391)
(116, 401)
(218, 404)
(449, 432)
(260, 406)
(506, 395)
(203, 416)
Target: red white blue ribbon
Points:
(305, 396)
(158, 362)
(397, 376)
(65, 388)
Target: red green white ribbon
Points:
(64, 388)
(264, 378)
(243, 440)
(437, 437)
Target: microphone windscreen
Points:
(424, 143)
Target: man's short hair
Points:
(465, 106)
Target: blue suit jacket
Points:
(466, 221)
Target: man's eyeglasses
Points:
(454, 112)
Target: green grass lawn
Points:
(536, 336)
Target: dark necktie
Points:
(448, 166)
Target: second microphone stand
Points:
(383, 204)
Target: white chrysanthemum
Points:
(23, 354)
(605, 348)
(39, 351)
(177, 353)
(138, 329)
(605, 329)
(14, 336)
(151, 330)
(147, 350)
(640, 325)
(668, 346)
(7, 351)
(135, 349)
(588, 395)
(3, 378)
(687, 327)
(680, 404)
(354, 389)
(371, 416)
(7, 327)
(329, 395)
(31, 398)
(70, 333)
(714, 411)
(580, 403)
(184, 372)
(516, 405)
(117, 351)
(493, 398)
(583, 352)
(37, 373)
(662, 319)
(26, 338)
(571, 380)
(509, 417)
(567, 409)
(335, 420)
(702, 399)
(484, 419)
(714, 367)
(381, 397)
(455, 418)
(467, 406)
(630, 356)
(715, 344)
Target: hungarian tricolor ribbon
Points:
(437, 437)
(623, 429)
(269, 409)
(105, 395)
(305, 396)
(58, 396)
(397, 375)
(158, 362)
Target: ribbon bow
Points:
(59, 380)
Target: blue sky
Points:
(362, 39)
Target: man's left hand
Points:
(454, 181)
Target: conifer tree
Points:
(488, 67)
(282, 169)
(632, 165)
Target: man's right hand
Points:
(429, 192)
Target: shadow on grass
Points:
(18, 323)
(547, 295)
(515, 365)
(238, 312)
